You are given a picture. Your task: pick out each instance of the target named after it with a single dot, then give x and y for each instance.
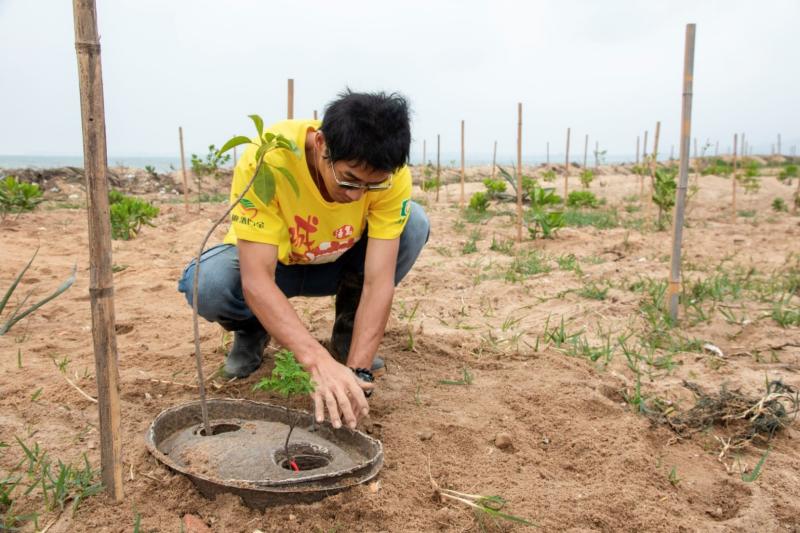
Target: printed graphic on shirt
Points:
(302, 238)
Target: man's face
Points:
(339, 177)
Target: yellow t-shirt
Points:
(306, 228)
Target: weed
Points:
(129, 214)
(505, 246)
(785, 317)
(593, 291)
(17, 197)
(494, 187)
(479, 201)
(569, 263)
(598, 219)
(754, 475)
(747, 213)
(673, 476)
(466, 379)
(779, 205)
(526, 263)
(558, 334)
(471, 246)
(582, 199)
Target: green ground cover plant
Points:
(582, 199)
(129, 214)
(17, 197)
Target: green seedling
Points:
(17, 197)
(582, 199)
(129, 214)
(587, 176)
(18, 313)
(756, 473)
(288, 379)
(479, 202)
(494, 187)
(210, 166)
(549, 175)
(593, 291)
(504, 247)
(471, 246)
(483, 505)
(664, 187)
(673, 476)
(525, 264)
(779, 205)
(466, 379)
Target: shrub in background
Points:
(129, 214)
(17, 197)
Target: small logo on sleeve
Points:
(405, 207)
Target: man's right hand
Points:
(338, 390)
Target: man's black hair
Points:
(369, 128)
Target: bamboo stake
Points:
(654, 161)
(566, 170)
(494, 160)
(101, 280)
(733, 179)
(596, 154)
(695, 147)
(585, 150)
(644, 162)
(680, 201)
(548, 153)
(290, 99)
(743, 149)
(637, 150)
(183, 171)
(461, 199)
(671, 152)
(315, 114)
(438, 164)
(519, 172)
(716, 149)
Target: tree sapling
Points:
(288, 379)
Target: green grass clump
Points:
(479, 201)
(606, 219)
(779, 205)
(593, 291)
(494, 187)
(582, 199)
(129, 214)
(17, 197)
(526, 264)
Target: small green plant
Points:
(210, 166)
(549, 175)
(569, 263)
(484, 505)
(471, 246)
(466, 379)
(494, 187)
(787, 173)
(288, 379)
(779, 205)
(593, 291)
(504, 247)
(756, 473)
(600, 219)
(673, 476)
(587, 176)
(129, 214)
(664, 187)
(526, 263)
(18, 313)
(17, 197)
(582, 199)
(151, 171)
(479, 202)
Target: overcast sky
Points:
(610, 69)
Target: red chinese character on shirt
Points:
(343, 232)
(301, 234)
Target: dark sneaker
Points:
(378, 367)
(246, 353)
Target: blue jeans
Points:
(219, 289)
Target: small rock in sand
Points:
(425, 434)
(503, 441)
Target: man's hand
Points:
(338, 390)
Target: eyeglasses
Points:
(382, 186)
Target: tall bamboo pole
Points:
(290, 99)
(566, 170)
(438, 164)
(461, 199)
(585, 149)
(101, 281)
(671, 152)
(680, 201)
(494, 160)
(519, 172)
(547, 159)
(654, 161)
(734, 180)
(183, 172)
(315, 114)
(716, 149)
(596, 154)
(644, 163)
(637, 150)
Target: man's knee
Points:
(218, 282)
(413, 239)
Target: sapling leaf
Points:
(264, 185)
(13, 286)
(259, 124)
(235, 141)
(290, 179)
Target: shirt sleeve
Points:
(388, 211)
(252, 219)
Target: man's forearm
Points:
(370, 324)
(279, 318)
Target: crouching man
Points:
(352, 231)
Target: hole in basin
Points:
(218, 429)
(305, 456)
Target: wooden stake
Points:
(644, 161)
(743, 145)
(585, 150)
(315, 114)
(519, 172)
(290, 100)
(596, 154)
(733, 179)
(438, 164)
(671, 152)
(183, 171)
(566, 171)
(461, 199)
(654, 161)
(548, 153)
(674, 287)
(716, 149)
(101, 280)
(494, 160)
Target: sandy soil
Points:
(580, 459)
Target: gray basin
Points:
(245, 453)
